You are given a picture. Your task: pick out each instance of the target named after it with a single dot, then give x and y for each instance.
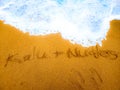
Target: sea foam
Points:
(85, 22)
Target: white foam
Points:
(84, 22)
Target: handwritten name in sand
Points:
(69, 53)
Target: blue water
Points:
(60, 1)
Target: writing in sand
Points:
(69, 53)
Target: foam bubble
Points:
(84, 22)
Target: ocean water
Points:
(85, 22)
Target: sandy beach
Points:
(51, 63)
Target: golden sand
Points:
(52, 63)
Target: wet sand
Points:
(52, 63)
